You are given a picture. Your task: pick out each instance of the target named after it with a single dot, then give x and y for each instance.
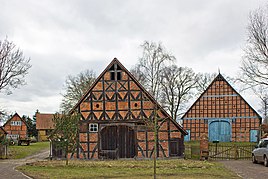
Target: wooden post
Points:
(236, 152)
(204, 152)
(155, 141)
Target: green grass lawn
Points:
(18, 152)
(175, 168)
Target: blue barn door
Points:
(220, 130)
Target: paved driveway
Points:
(246, 169)
(7, 167)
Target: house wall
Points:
(42, 134)
(123, 102)
(12, 130)
(221, 102)
(90, 141)
(44, 125)
(145, 140)
(240, 128)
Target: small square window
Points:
(93, 127)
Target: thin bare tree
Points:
(75, 88)
(203, 81)
(254, 69)
(177, 88)
(261, 92)
(138, 75)
(150, 66)
(13, 66)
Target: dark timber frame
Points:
(117, 99)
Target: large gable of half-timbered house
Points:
(16, 127)
(222, 114)
(116, 112)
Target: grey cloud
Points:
(66, 37)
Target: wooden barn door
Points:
(108, 143)
(126, 142)
(220, 130)
(176, 147)
(118, 142)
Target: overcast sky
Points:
(66, 37)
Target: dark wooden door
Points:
(118, 142)
(108, 141)
(126, 142)
(176, 147)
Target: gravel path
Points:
(7, 167)
(246, 169)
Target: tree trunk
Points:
(67, 161)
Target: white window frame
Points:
(15, 123)
(93, 127)
(13, 136)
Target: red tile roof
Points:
(44, 121)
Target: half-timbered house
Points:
(116, 111)
(16, 127)
(222, 114)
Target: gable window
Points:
(119, 75)
(112, 75)
(15, 123)
(115, 72)
(93, 127)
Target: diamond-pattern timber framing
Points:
(222, 114)
(121, 108)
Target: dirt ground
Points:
(246, 169)
(7, 167)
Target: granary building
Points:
(116, 111)
(222, 114)
(44, 125)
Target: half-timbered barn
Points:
(223, 114)
(44, 125)
(116, 111)
(16, 127)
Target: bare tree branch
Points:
(75, 87)
(150, 67)
(177, 86)
(254, 69)
(13, 66)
